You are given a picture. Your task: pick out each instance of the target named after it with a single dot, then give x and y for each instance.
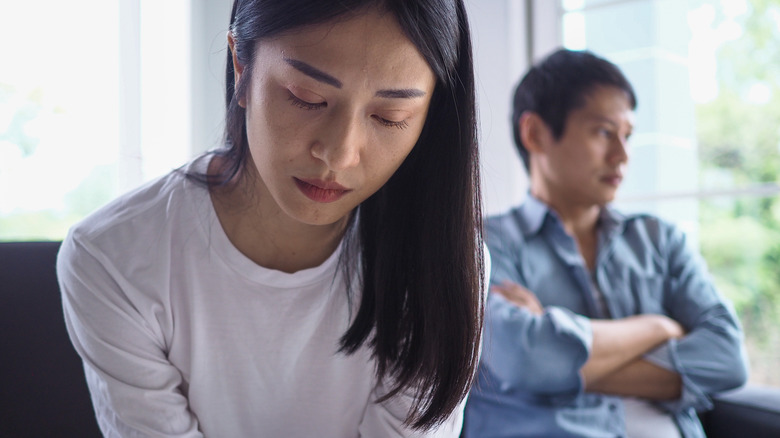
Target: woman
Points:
(322, 274)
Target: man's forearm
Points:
(616, 343)
(640, 378)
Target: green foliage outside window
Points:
(21, 110)
(739, 147)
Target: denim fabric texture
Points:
(529, 383)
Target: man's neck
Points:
(580, 222)
(576, 218)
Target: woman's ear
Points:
(238, 68)
(533, 132)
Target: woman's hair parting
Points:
(417, 242)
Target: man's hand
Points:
(618, 342)
(672, 327)
(520, 296)
(615, 365)
(640, 378)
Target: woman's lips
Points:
(321, 191)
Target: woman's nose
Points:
(341, 142)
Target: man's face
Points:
(586, 165)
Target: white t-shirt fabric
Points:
(184, 336)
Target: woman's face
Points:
(332, 111)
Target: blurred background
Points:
(100, 96)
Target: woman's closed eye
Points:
(392, 117)
(301, 103)
(400, 124)
(310, 101)
(304, 98)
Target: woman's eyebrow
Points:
(321, 76)
(408, 93)
(313, 72)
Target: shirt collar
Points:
(533, 213)
(611, 222)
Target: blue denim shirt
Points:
(529, 382)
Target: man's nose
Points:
(620, 149)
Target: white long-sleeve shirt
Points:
(183, 336)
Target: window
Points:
(58, 92)
(99, 96)
(706, 153)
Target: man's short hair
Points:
(559, 84)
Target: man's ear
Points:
(534, 132)
(238, 68)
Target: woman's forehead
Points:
(367, 44)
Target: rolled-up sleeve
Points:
(541, 354)
(711, 357)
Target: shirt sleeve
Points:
(135, 389)
(540, 354)
(711, 357)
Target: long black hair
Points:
(419, 238)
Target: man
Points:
(598, 324)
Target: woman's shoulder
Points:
(145, 215)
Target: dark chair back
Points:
(42, 387)
(752, 411)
